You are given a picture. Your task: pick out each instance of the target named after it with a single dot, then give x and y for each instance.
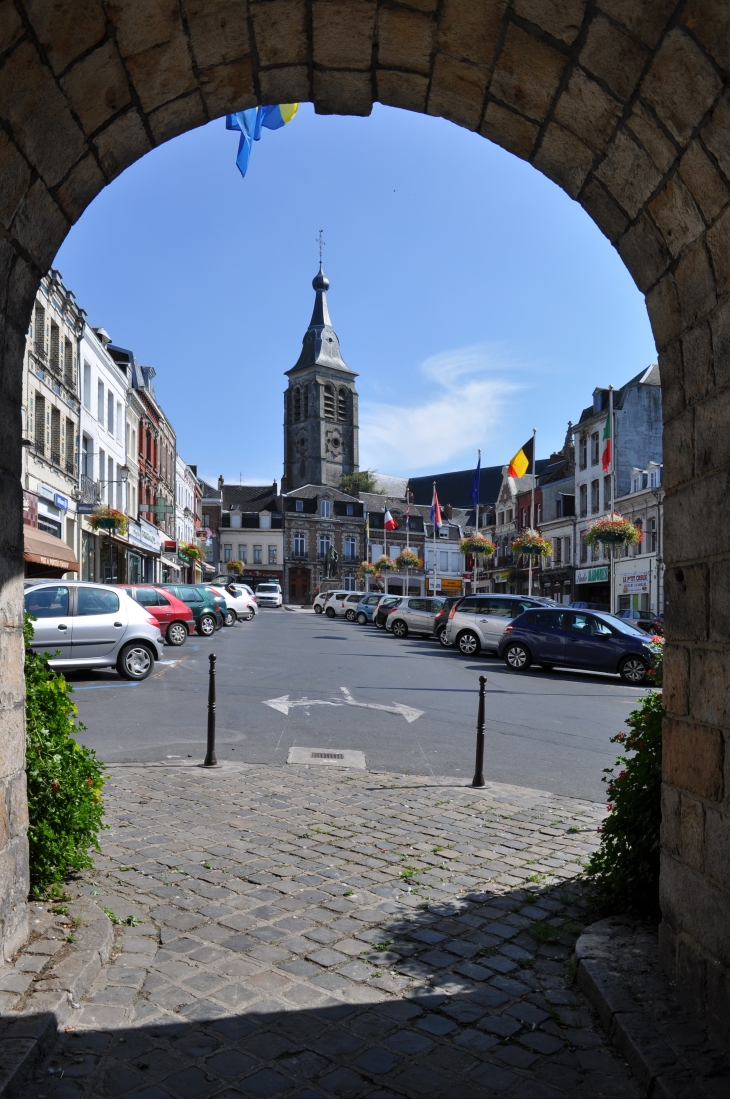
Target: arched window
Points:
(329, 402)
(297, 404)
(305, 403)
(302, 469)
(342, 404)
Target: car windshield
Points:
(273, 588)
(622, 625)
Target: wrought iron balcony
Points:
(89, 490)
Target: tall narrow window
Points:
(102, 470)
(594, 448)
(87, 468)
(325, 509)
(100, 402)
(583, 500)
(40, 423)
(110, 412)
(68, 363)
(607, 492)
(297, 410)
(39, 334)
(305, 403)
(583, 452)
(56, 436)
(110, 481)
(342, 404)
(299, 547)
(558, 550)
(329, 402)
(595, 499)
(55, 353)
(119, 421)
(70, 447)
(87, 386)
(257, 551)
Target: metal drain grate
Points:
(327, 755)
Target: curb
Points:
(652, 1061)
(52, 999)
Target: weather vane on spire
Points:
(321, 245)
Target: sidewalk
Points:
(319, 932)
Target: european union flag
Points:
(250, 123)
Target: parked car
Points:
(269, 594)
(577, 639)
(477, 621)
(441, 620)
(175, 617)
(83, 625)
(320, 600)
(413, 614)
(580, 605)
(643, 620)
(230, 605)
(344, 608)
(383, 609)
(205, 610)
(366, 607)
(246, 607)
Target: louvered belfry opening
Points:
(342, 404)
(329, 402)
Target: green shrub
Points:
(625, 869)
(65, 778)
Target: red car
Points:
(175, 618)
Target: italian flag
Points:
(606, 455)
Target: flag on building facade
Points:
(476, 483)
(523, 459)
(435, 510)
(389, 522)
(606, 455)
(250, 123)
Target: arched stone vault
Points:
(623, 103)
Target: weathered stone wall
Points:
(625, 105)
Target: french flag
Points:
(389, 522)
(435, 509)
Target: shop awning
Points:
(170, 563)
(207, 568)
(46, 549)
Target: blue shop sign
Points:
(60, 501)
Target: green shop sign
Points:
(591, 576)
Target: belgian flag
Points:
(522, 461)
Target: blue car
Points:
(593, 640)
(366, 607)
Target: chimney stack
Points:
(220, 483)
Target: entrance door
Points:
(299, 584)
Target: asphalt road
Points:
(549, 731)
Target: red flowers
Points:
(610, 806)
(622, 774)
(55, 785)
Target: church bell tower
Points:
(320, 405)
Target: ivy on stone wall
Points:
(625, 868)
(65, 779)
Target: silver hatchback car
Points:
(478, 621)
(415, 614)
(83, 625)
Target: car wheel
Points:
(247, 616)
(330, 612)
(633, 669)
(135, 661)
(177, 633)
(468, 643)
(518, 658)
(380, 624)
(399, 628)
(231, 617)
(317, 608)
(362, 618)
(443, 639)
(206, 625)
(350, 616)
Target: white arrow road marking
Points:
(408, 712)
(284, 705)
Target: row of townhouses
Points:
(97, 440)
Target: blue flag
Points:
(476, 483)
(250, 123)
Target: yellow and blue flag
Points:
(250, 123)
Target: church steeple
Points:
(320, 405)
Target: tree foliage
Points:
(364, 480)
(625, 869)
(65, 779)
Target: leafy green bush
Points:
(65, 778)
(625, 869)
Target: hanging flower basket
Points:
(234, 566)
(106, 518)
(367, 570)
(614, 530)
(189, 553)
(532, 544)
(408, 560)
(477, 545)
(385, 564)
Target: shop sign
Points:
(60, 501)
(169, 547)
(592, 576)
(451, 585)
(434, 584)
(83, 507)
(500, 577)
(633, 582)
(30, 509)
(144, 534)
(47, 493)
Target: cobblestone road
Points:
(314, 932)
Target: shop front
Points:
(637, 585)
(46, 555)
(592, 586)
(443, 585)
(143, 552)
(557, 584)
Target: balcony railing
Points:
(89, 490)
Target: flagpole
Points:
(611, 467)
(385, 549)
(532, 504)
(433, 524)
(474, 570)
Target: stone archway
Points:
(624, 105)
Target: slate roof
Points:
(320, 346)
(455, 488)
(308, 492)
(249, 497)
(649, 376)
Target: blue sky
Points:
(473, 297)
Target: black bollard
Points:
(210, 760)
(478, 779)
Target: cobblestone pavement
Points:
(315, 932)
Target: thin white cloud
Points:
(470, 390)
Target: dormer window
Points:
(300, 505)
(325, 509)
